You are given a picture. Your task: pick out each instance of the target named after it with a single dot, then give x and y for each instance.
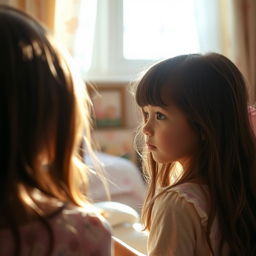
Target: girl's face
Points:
(169, 136)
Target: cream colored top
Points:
(179, 220)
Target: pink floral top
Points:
(76, 232)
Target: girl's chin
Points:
(162, 160)
(182, 160)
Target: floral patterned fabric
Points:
(76, 232)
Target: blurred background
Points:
(113, 41)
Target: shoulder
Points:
(83, 218)
(75, 231)
(184, 199)
(176, 225)
(83, 228)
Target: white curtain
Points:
(75, 28)
(207, 14)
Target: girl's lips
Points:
(151, 147)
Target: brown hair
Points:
(44, 114)
(211, 92)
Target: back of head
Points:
(211, 92)
(40, 114)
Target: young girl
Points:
(200, 158)
(43, 114)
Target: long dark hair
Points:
(211, 92)
(44, 113)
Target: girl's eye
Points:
(160, 116)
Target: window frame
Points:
(108, 63)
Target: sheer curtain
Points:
(75, 28)
(207, 17)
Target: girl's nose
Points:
(147, 129)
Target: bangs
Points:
(149, 90)
(163, 75)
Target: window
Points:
(158, 29)
(132, 34)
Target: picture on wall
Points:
(108, 103)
